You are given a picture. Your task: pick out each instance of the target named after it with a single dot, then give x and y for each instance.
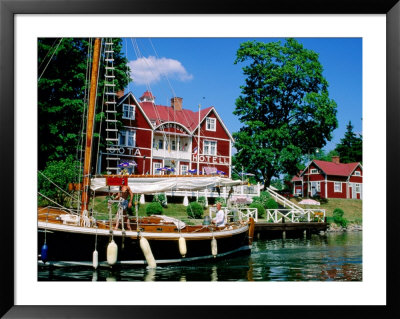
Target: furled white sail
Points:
(151, 185)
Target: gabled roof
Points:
(336, 169)
(163, 113)
(297, 178)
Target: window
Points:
(314, 171)
(127, 138)
(128, 111)
(155, 166)
(318, 186)
(357, 173)
(173, 145)
(211, 124)
(358, 188)
(338, 187)
(184, 169)
(210, 148)
(153, 123)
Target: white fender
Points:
(112, 253)
(182, 246)
(145, 246)
(214, 248)
(95, 259)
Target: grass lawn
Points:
(352, 208)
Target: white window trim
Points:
(357, 173)
(125, 143)
(313, 171)
(130, 106)
(204, 147)
(181, 170)
(155, 166)
(334, 187)
(359, 188)
(214, 126)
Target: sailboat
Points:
(68, 237)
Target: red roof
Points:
(297, 178)
(187, 118)
(336, 169)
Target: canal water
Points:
(329, 257)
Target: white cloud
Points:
(151, 70)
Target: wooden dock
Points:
(288, 229)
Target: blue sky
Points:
(201, 71)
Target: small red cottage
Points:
(329, 180)
(158, 139)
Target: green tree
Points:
(284, 106)
(350, 146)
(63, 68)
(60, 173)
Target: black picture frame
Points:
(8, 10)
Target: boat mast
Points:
(89, 126)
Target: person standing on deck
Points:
(219, 219)
(125, 193)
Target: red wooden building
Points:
(329, 180)
(158, 139)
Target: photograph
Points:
(200, 159)
(165, 159)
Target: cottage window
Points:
(160, 145)
(358, 188)
(314, 171)
(357, 173)
(338, 187)
(210, 148)
(211, 124)
(127, 138)
(128, 111)
(318, 186)
(173, 145)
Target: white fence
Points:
(295, 215)
(236, 213)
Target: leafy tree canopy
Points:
(350, 146)
(284, 107)
(63, 71)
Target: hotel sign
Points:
(173, 126)
(211, 159)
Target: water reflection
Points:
(332, 257)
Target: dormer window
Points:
(128, 111)
(211, 124)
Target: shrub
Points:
(338, 217)
(271, 204)
(262, 199)
(160, 198)
(260, 208)
(195, 210)
(202, 201)
(154, 208)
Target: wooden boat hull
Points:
(74, 245)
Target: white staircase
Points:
(282, 200)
